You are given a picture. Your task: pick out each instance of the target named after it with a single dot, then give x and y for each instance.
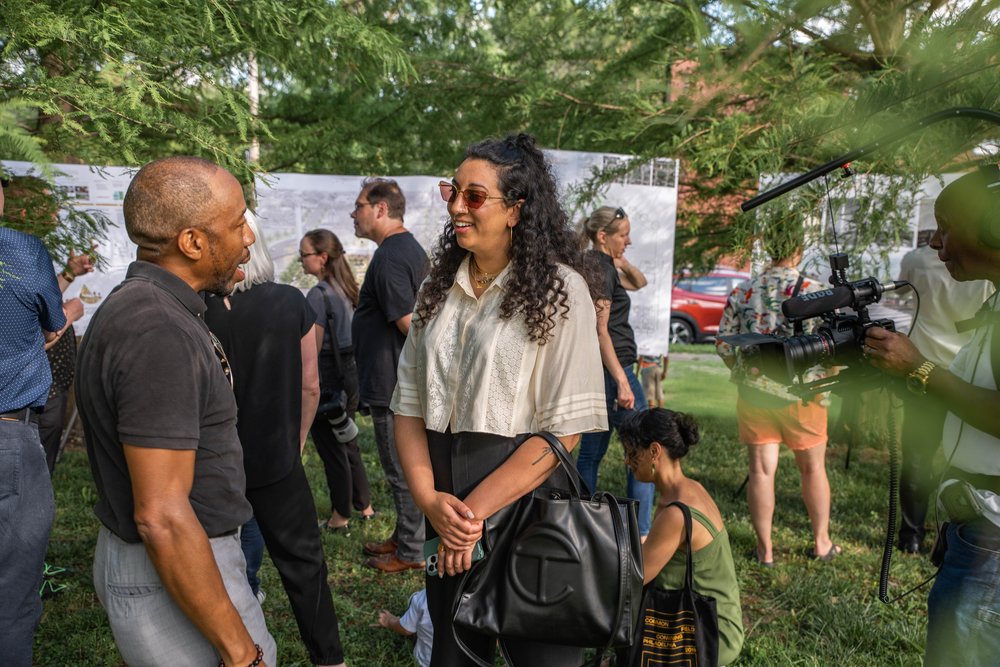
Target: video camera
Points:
(838, 342)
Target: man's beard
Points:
(222, 282)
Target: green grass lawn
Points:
(800, 613)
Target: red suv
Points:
(696, 304)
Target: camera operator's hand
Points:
(891, 352)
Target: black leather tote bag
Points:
(561, 568)
(678, 627)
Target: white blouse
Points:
(475, 372)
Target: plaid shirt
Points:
(754, 306)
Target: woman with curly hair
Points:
(334, 298)
(655, 441)
(504, 345)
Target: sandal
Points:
(755, 557)
(343, 530)
(834, 551)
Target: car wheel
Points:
(680, 331)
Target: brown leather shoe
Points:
(390, 563)
(380, 548)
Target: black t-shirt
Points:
(388, 293)
(262, 336)
(340, 311)
(619, 329)
(148, 375)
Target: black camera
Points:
(838, 342)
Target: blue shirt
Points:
(30, 301)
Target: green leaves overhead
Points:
(735, 89)
(121, 83)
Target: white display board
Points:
(288, 205)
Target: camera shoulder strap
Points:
(798, 285)
(331, 329)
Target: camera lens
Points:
(344, 428)
(807, 350)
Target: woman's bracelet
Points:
(67, 275)
(256, 661)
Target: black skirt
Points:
(460, 462)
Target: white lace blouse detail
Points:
(475, 372)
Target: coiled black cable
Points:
(890, 525)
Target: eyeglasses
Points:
(473, 198)
(303, 255)
(620, 213)
(358, 206)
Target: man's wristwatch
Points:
(917, 380)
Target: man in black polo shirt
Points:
(155, 393)
(379, 327)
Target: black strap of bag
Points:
(625, 554)
(331, 361)
(689, 569)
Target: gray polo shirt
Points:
(148, 375)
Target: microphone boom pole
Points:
(893, 137)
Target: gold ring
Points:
(441, 548)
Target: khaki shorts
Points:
(798, 426)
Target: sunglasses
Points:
(619, 215)
(473, 198)
(220, 354)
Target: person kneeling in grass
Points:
(655, 442)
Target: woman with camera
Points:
(333, 431)
(503, 345)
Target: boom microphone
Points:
(815, 303)
(859, 292)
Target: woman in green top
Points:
(655, 442)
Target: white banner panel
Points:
(291, 204)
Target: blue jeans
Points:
(27, 509)
(252, 544)
(593, 447)
(963, 608)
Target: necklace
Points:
(480, 277)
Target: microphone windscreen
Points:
(816, 303)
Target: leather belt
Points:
(23, 415)
(225, 534)
(977, 480)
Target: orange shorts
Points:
(798, 426)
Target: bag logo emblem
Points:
(530, 574)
